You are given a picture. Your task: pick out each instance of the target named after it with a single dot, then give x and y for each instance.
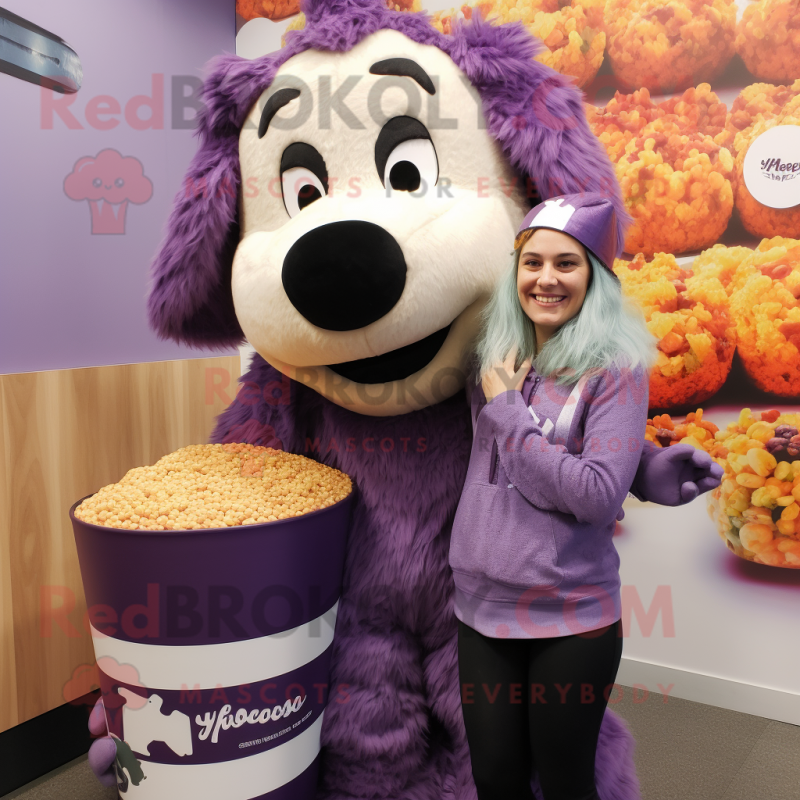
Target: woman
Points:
(559, 412)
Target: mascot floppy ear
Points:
(190, 297)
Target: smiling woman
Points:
(552, 278)
(559, 304)
(547, 477)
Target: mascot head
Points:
(355, 198)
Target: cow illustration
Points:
(147, 724)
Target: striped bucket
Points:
(214, 650)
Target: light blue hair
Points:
(609, 329)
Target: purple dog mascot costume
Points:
(367, 240)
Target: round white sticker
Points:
(771, 167)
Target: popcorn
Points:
(297, 24)
(768, 316)
(757, 506)
(662, 431)
(572, 32)
(271, 9)
(756, 103)
(698, 110)
(667, 44)
(692, 323)
(574, 47)
(443, 20)
(731, 266)
(411, 6)
(786, 440)
(677, 188)
(216, 486)
(768, 39)
(761, 220)
(675, 178)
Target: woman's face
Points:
(552, 279)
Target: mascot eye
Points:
(410, 165)
(119, 183)
(405, 156)
(97, 182)
(304, 177)
(300, 187)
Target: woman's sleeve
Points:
(638, 488)
(593, 484)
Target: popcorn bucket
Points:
(214, 650)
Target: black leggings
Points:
(536, 703)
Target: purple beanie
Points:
(588, 217)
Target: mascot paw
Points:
(678, 474)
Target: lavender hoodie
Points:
(531, 549)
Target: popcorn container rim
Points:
(227, 529)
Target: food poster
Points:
(99, 109)
(698, 106)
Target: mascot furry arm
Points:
(349, 209)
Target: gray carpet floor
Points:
(684, 751)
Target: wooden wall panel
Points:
(63, 435)
(8, 670)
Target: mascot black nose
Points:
(344, 275)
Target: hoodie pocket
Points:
(494, 463)
(499, 535)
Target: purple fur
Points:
(400, 734)
(190, 297)
(535, 114)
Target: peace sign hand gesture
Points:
(502, 378)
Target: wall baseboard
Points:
(44, 743)
(712, 690)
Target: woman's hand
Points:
(502, 378)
